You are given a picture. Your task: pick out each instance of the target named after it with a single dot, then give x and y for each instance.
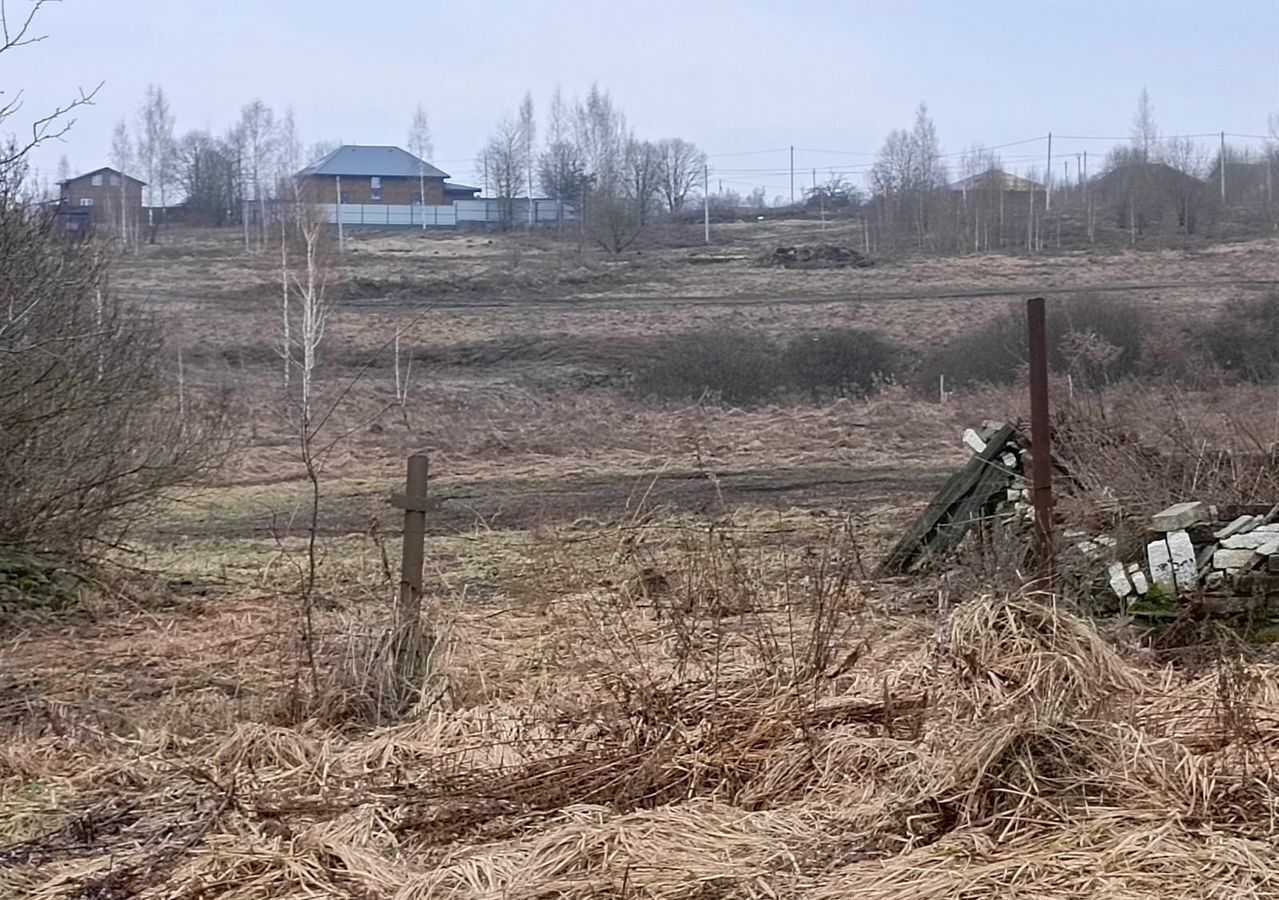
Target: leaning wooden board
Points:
(957, 505)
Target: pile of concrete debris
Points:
(815, 256)
(1193, 548)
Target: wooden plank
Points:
(993, 484)
(920, 535)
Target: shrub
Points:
(841, 361)
(1093, 339)
(737, 367)
(90, 429)
(1243, 338)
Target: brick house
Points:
(371, 175)
(102, 199)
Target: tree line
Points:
(592, 159)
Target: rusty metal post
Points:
(408, 609)
(1040, 436)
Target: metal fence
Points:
(478, 212)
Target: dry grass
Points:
(679, 695)
(699, 715)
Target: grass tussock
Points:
(701, 718)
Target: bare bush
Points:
(90, 426)
(1093, 339)
(737, 367)
(839, 361)
(1243, 338)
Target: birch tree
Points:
(155, 149)
(1144, 131)
(528, 130)
(258, 130)
(122, 158)
(420, 146)
(561, 169)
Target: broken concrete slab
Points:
(1139, 582)
(1119, 582)
(1179, 516)
(1239, 558)
(974, 442)
(1238, 526)
(1250, 541)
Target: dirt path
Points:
(462, 506)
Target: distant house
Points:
(104, 199)
(1150, 194)
(995, 179)
(369, 175)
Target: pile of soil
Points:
(815, 256)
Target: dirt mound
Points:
(815, 256)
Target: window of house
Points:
(375, 187)
(115, 180)
(86, 201)
(97, 181)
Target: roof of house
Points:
(991, 177)
(1121, 174)
(360, 161)
(99, 172)
(460, 188)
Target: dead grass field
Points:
(665, 668)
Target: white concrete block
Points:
(1178, 516)
(973, 441)
(1119, 582)
(1272, 528)
(1087, 548)
(1270, 548)
(1182, 552)
(1139, 581)
(1105, 540)
(1233, 558)
(1009, 460)
(1160, 560)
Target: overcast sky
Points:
(748, 75)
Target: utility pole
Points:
(339, 213)
(1048, 177)
(706, 201)
(1223, 168)
(792, 174)
(1040, 439)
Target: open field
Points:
(665, 665)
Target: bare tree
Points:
(1144, 131)
(680, 166)
(420, 146)
(528, 128)
(155, 148)
(122, 158)
(504, 159)
(16, 32)
(642, 169)
(560, 167)
(64, 169)
(260, 140)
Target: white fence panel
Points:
(485, 212)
